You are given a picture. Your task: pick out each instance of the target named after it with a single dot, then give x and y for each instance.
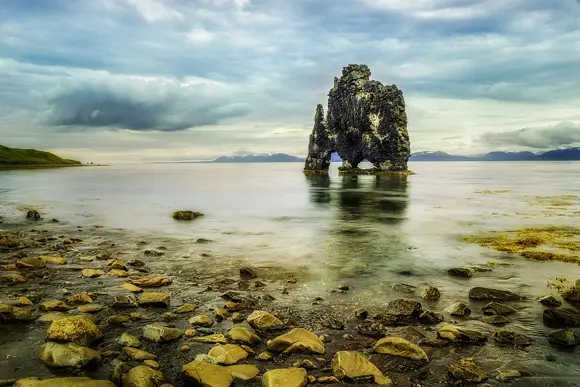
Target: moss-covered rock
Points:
(78, 329)
(186, 215)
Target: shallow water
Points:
(368, 232)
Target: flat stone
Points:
(458, 334)
(550, 300)
(154, 299)
(78, 329)
(160, 333)
(143, 376)
(117, 320)
(512, 338)
(131, 288)
(128, 340)
(265, 321)
(67, 355)
(480, 293)
(14, 278)
(397, 346)
(31, 263)
(561, 318)
(431, 293)
(92, 308)
(154, 282)
(297, 340)
(80, 298)
(185, 308)
(428, 317)
(495, 320)
(403, 308)
(124, 302)
(465, 370)
(458, 309)
(207, 374)
(92, 273)
(564, 337)
(353, 365)
(464, 272)
(50, 316)
(201, 321)
(151, 364)
(499, 309)
(117, 264)
(54, 260)
(327, 380)
(117, 273)
(228, 354)
(508, 375)
(243, 371)
(243, 335)
(53, 305)
(63, 382)
(285, 377)
(216, 338)
(138, 354)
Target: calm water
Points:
(328, 229)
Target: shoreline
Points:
(46, 166)
(204, 286)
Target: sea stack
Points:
(366, 120)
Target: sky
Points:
(145, 80)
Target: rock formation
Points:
(366, 120)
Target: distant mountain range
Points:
(569, 154)
(261, 158)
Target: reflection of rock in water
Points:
(319, 187)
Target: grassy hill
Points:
(31, 157)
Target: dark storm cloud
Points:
(139, 104)
(562, 134)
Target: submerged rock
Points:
(33, 214)
(498, 309)
(431, 293)
(464, 272)
(561, 318)
(458, 309)
(186, 215)
(550, 300)
(285, 377)
(480, 293)
(365, 120)
(512, 338)
(353, 365)
(465, 370)
(402, 309)
(564, 337)
(397, 346)
(495, 319)
(67, 355)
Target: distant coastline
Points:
(31, 158)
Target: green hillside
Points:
(32, 157)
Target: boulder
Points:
(480, 293)
(265, 321)
(458, 309)
(159, 333)
(154, 299)
(285, 377)
(243, 335)
(143, 376)
(202, 373)
(186, 215)
(506, 337)
(128, 340)
(564, 337)
(201, 321)
(228, 354)
(33, 214)
(459, 334)
(402, 309)
(63, 382)
(465, 370)
(464, 272)
(572, 295)
(430, 293)
(550, 300)
(77, 329)
(353, 365)
(247, 273)
(67, 355)
(499, 309)
(397, 346)
(297, 340)
(561, 318)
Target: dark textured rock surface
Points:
(366, 120)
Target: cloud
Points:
(561, 134)
(143, 104)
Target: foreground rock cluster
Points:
(120, 324)
(366, 120)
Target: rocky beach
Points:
(114, 308)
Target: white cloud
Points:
(200, 36)
(154, 10)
